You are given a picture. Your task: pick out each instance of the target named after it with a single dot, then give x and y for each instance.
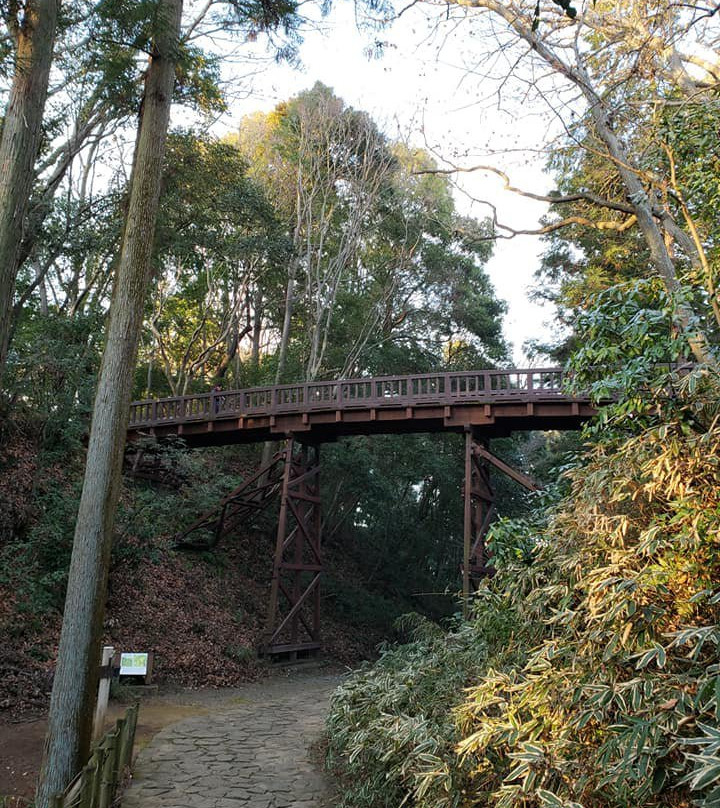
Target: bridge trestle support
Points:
(293, 619)
(253, 496)
(480, 509)
(479, 512)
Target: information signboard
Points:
(133, 664)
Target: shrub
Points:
(587, 677)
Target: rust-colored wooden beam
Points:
(295, 625)
(467, 523)
(501, 465)
(447, 389)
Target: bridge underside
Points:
(491, 420)
(482, 405)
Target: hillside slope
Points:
(201, 613)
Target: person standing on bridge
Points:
(217, 399)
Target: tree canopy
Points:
(143, 260)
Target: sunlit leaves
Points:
(218, 237)
(612, 696)
(385, 265)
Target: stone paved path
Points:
(252, 752)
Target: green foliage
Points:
(691, 157)
(240, 653)
(35, 564)
(197, 80)
(218, 235)
(565, 5)
(392, 730)
(358, 604)
(51, 369)
(395, 506)
(595, 244)
(392, 722)
(627, 341)
(387, 271)
(124, 30)
(149, 515)
(633, 358)
(589, 672)
(211, 212)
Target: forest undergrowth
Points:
(202, 613)
(588, 672)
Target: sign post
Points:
(103, 691)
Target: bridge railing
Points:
(384, 391)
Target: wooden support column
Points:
(479, 510)
(467, 523)
(293, 620)
(483, 513)
(280, 540)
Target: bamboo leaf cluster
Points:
(589, 672)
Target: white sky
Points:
(416, 93)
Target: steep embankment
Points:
(204, 616)
(201, 613)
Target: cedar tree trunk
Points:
(76, 677)
(34, 37)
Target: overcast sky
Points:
(426, 88)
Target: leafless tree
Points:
(608, 66)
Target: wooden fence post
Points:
(96, 762)
(97, 783)
(86, 791)
(106, 772)
(132, 717)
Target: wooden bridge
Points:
(493, 403)
(482, 404)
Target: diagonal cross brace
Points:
(480, 509)
(252, 496)
(506, 468)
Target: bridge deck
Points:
(492, 402)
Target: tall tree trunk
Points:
(257, 329)
(287, 321)
(659, 252)
(76, 677)
(34, 38)
(283, 348)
